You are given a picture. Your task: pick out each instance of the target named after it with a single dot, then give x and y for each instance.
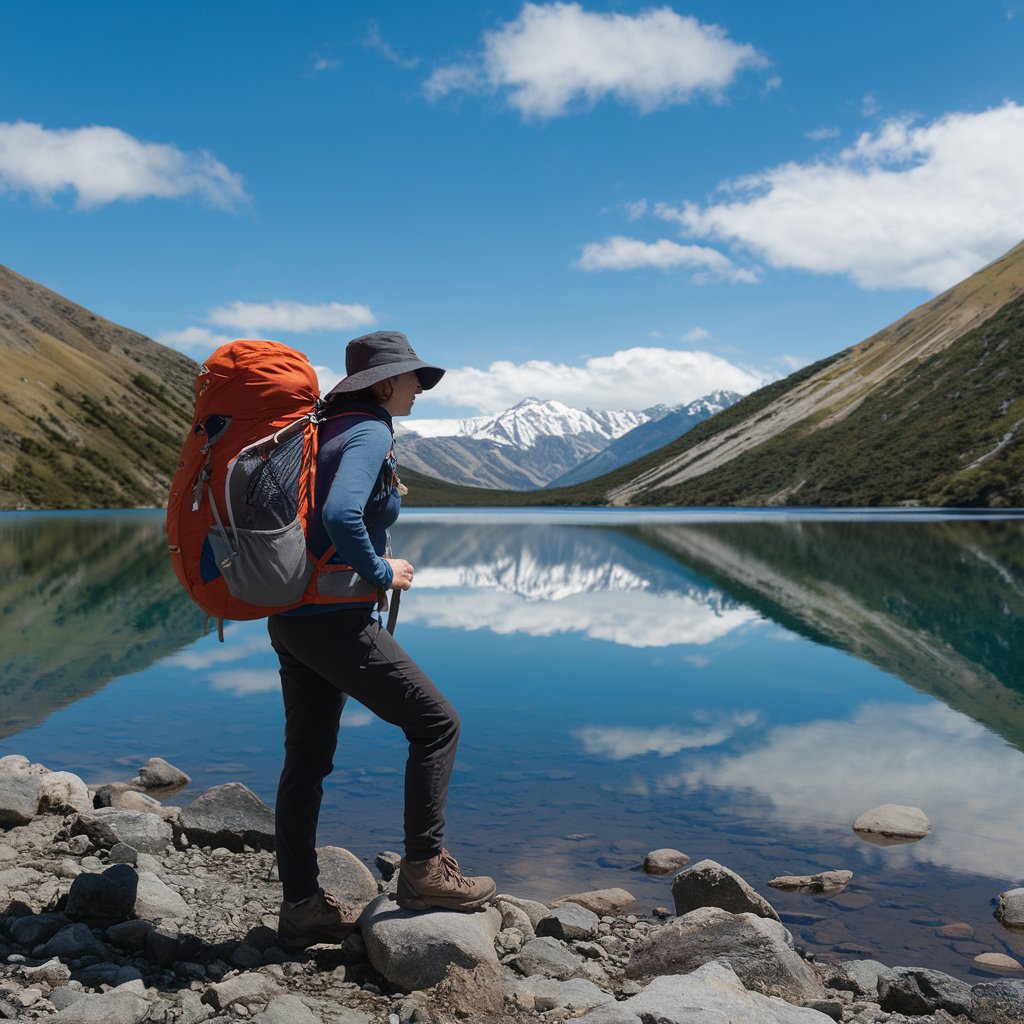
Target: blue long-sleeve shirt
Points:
(356, 500)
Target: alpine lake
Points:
(737, 684)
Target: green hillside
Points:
(92, 415)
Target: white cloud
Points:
(791, 363)
(696, 334)
(296, 317)
(820, 134)
(620, 253)
(633, 378)
(635, 208)
(619, 743)
(103, 165)
(927, 756)
(918, 206)
(327, 377)
(375, 41)
(555, 58)
(245, 681)
(320, 63)
(193, 339)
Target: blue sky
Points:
(611, 204)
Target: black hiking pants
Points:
(324, 659)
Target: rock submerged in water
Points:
(665, 861)
(998, 963)
(824, 882)
(1010, 911)
(891, 824)
(709, 884)
(157, 773)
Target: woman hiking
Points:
(328, 653)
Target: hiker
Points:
(330, 652)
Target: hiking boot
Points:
(310, 921)
(438, 882)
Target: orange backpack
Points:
(242, 498)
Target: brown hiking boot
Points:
(311, 921)
(438, 882)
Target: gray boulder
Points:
(414, 949)
(915, 990)
(157, 773)
(62, 997)
(533, 910)
(231, 816)
(74, 941)
(347, 878)
(63, 793)
(19, 798)
(108, 826)
(129, 935)
(53, 972)
(156, 901)
(243, 989)
(577, 996)
(568, 922)
(710, 884)
(712, 994)
(601, 901)
(37, 928)
(998, 1002)
(109, 896)
(287, 1010)
(513, 916)
(857, 976)
(756, 948)
(891, 824)
(548, 957)
(1010, 911)
(108, 1008)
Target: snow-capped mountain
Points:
(534, 442)
(526, 423)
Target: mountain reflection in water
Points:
(736, 690)
(83, 599)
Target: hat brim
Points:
(428, 375)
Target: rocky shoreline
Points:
(118, 907)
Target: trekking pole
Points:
(396, 596)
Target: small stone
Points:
(1010, 911)
(546, 956)
(533, 910)
(53, 972)
(79, 845)
(662, 862)
(998, 963)
(108, 1008)
(122, 853)
(157, 773)
(600, 901)
(347, 878)
(28, 996)
(569, 921)
(63, 997)
(156, 901)
(229, 817)
(825, 882)
(662, 912)
(387, 862)
(890, 824)
(62, 793)
(956, 930)
(243, 989)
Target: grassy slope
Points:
(92, 415)
(911, 441)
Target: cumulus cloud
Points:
(375, 41)
(620, 253)
(295, 317)
(556, 58)
(633, 378)
(925, 756)
(102, 165)
(909, 205)
(619, 743)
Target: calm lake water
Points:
(738, 686)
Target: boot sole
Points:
(442, 902)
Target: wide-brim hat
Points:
(375, 357)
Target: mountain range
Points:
(535, 443)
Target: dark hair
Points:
(364, 396)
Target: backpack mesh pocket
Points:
(261, 550)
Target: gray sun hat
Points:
(375, 357)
